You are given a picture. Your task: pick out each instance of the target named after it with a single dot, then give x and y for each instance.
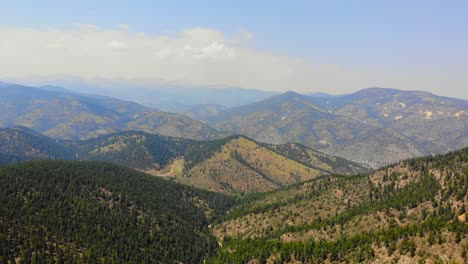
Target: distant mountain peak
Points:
(54, 88)
(291, 94)
(376, 91)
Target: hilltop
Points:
(234, 164)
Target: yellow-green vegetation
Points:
(414, 211)
(231, 165)
(242, 165)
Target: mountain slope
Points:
(25, 144)
(242, 165)
(294, 118)
(97, 212)
(169, 98)
(66, 115)
(412, 211)
(437, 123)
(233, 164)
(134, 149)
(375, 126)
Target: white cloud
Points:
(197, 56)
(115, 44)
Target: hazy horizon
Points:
(302, 46)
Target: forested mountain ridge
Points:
(374, 125)
(414, 211)
(80, 211)
(65, 115)
(233, 164)
(134, 149)
(26, 144)
(77, 212)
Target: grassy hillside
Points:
(414, 211)
(239, 164)
(317, 159)
(65, 115)
(234, 164)
(90, 212)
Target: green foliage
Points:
(353, 249)
(197, 153)
(79, 212)
(435, 186)
(26, 144)
(312, 158)
(139, 150)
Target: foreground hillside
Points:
(375, 125)
(90, 212)
(412, 212)
(61, 114)
(94, 212)
(232, 165)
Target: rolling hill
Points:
(240, 164)
(375, 126)
(233, 165)
(66, 115)
(414, 211)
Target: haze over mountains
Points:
(64, 115)
(168, 98)
(374, 126)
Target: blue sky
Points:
(375, 42)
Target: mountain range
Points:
(167, 97)
(374, 126)
(65, 115)
(234, 164)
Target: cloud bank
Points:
(196, 56)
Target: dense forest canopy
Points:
(79, 212)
